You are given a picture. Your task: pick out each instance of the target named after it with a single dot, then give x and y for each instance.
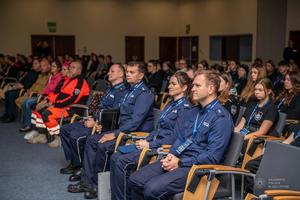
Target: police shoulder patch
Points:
(219, 112)
(76, 91)
(186, 105)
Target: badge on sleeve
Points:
(76, 91)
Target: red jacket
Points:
(75, 90)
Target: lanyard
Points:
(207, 110)
(166, 111)
(253, 112)
(278, 79)
(280, 103)
(134, 89)
(173, 105)
(112, 89)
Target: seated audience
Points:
(154, 77)
(229, 101)
(257, 73)
(123, 163)
(241, 81)
(261, 116)
(75, 91)
(136, 114)
(203, 139)
(283, 69)
(54, 80)
(71, 133)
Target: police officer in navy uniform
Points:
(74, 134)
(136, 114)
(122, 163)
(203, 139)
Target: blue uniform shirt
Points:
(210, 140)
(136, 109)
(112, 96)
(164, 132)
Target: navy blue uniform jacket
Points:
(211, 140)
(113, 96)
(136, 110)
(164, 132)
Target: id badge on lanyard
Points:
(196, 127)
(183, 146)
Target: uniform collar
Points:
(117, 85)
(132, 87)
(210, 105)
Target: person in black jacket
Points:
(13, 93)
(290, 53)
(154, 77)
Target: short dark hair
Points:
(140, 65)
(283, 63)
(120, 66)
(212, 78)
(109, 56)
(153, 62)
(271, 63)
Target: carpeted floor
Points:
(30, 172)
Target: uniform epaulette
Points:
(219, 112)
(186, 105)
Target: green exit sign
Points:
(52, 27)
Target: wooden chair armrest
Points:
(250, 197)
(139, 134)
(32, 93)
(119, 140)
(166, 148)
(142, 155)
(270, 138)
(282, 193)
(79, 106)
(73, 118)
(223, 168)
(286, 198)
(291, 121)
(98, 92)
(22, 92)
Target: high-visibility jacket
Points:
(52, 95)
(73, 91)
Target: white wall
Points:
(101, 25)
(293, 17)
(218, 17)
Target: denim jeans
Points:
(27, 104)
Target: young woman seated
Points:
(229, 101)
(261, 115)
(257, 73)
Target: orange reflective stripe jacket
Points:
(75, 90)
